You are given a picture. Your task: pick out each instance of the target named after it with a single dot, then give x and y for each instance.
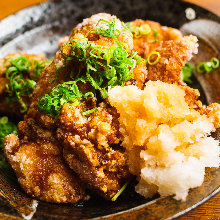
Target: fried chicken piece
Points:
(147, 43)
(90, 148)
(99, 133)
(12, 107)
(174, 49)
(174, 55)
(86, 29)
(41, 171)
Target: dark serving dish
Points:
(37, 30)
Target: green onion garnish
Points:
(187, 72)
(108, 30)
(154, 53)
(6, 127)
(139, 31)
(145, 29)
(104, 66)
(136, 32)
(67, 92)
(99, 66)
(119, 192)
(200, 67)
(39, 66)
(89, 111)
(215, 62)
(207, 67)
(19, 85)
(155, 35)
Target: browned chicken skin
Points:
(96, 139)
(147, 43)
(90, 144)
(88, 148)
(174, 55)
(41, 171)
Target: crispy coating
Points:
(212, 111)
(147, 43)
(86, 29)
(99, 135)
(11, 108)
(90, 148)
(62, 41)
(42, 172)
(175, 51)
(174, 55)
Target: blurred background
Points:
(8, 7)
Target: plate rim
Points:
(119, 214)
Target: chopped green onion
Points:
(119, 192)
(100, 67)
(6, 128)
(78, 204)
(89, 111)
(215, 62)
(145, 29)
(138, 32)
(187, 72)
(114, 64)
(67, 92)
(3, 120)
(200, 67)
(108, 30)
(155, 35)
(206, 67)
(18, 85)
(158, 56)
(39, 66)
(21, 63)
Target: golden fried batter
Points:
(86, 29)
(147, 43)
(88, 148)
(107, 176)
(174, 55)
(42, 172)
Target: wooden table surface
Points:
(211, 208)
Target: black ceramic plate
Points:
(37, 30)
